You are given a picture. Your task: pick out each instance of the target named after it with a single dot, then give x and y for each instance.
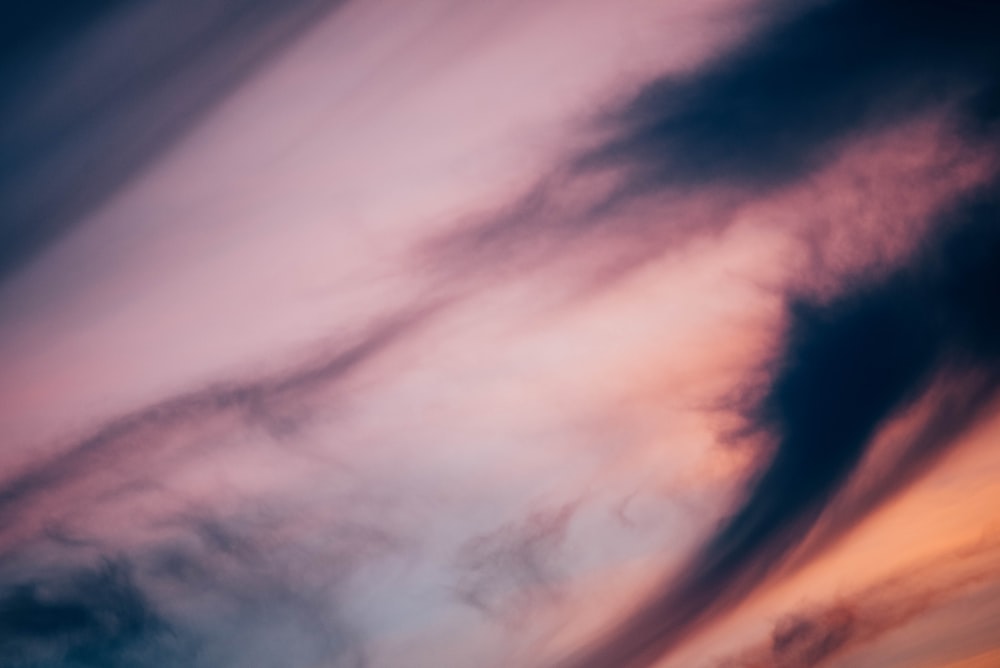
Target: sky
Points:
(532, 333)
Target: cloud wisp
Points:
(79, 121)
(818, 635)
(272, 404)
(505, 572)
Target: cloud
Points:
(275, 405)
(816, 635)
(80, 121)
(252, 588)
(106, 559)
(506, 572)
(245, 589)
(846, 367)
(958, 402)
(230, 525)
(678, 158)
(760, 118)
(90, 616)
(767, 115)
(774, 109)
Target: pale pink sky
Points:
(527, 450)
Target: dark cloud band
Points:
(95, 91)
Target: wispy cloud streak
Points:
(79, 121)
(272, 404)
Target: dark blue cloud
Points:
(763, 115)
(90, 616)
(770, 111)
(846, 367)
(766, 115)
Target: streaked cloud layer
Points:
(473, 332)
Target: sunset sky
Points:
(500, 334)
